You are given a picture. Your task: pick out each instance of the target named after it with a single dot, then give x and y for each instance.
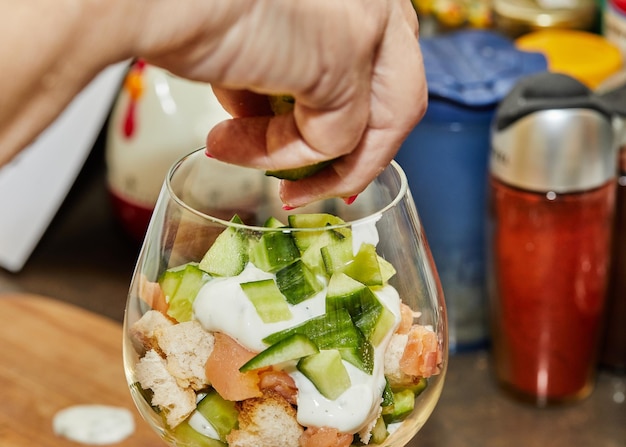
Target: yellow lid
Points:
(588, 57)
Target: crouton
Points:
(176, 402)
(268, 421)
(393, 355)
(144, 331)
(187, 347)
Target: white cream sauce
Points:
(222, 306)
(94, 424)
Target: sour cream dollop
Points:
(94, 424)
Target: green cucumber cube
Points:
(387, 395)
(273, 251)
(379, 432)
(327, 372)
(190, 280)
(367, 312)
(337, 256)
(273, 222)
(334, 330)
(313, 256)
(379, 322)
(361, 356)
(304, 239)
(403, 404)
(269, 303)
(314, 220)
(387, 269)
(293, 347)
(365, 267)
(222, 414)
(170, 280)
(297, 282)
(228, 255)
(417, 387)
(187, 435)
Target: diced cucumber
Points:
(269, 303)
(313, 255)
(416, 387)
(297, 282)
(365, 267)
(330, 330)
(273, 251)
(346, 292)
(403, 404)
(361, 356)
(378, 323)
(228, 255)
(222, 414)
(387, 269)
(304, 239)
(186, 435)
(334, 330)
(190, 280)
(336, 256)
(327, 372)
(273, 222)
(314, 220)
(170, 280)
(379, 432)
(312, 258)
(369, 315)
(293, 347)
(387, 395)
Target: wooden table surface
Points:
(56, 355)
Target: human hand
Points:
(354, 69)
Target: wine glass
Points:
(247, 324)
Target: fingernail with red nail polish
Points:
(350, 200)
(288, 208)
(208, 154)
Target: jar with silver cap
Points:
(551, 205)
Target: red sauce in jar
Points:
(613, 347)
(550, 261)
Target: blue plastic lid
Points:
(475, 68)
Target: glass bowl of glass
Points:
(247, 324)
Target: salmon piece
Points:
(422, 354)
(222, 370)
(325, 437)
(280, 382)
(406, 319)
(152, 294)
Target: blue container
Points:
(445, 158)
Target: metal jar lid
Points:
(551, 133)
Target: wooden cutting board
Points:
(54, 355)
